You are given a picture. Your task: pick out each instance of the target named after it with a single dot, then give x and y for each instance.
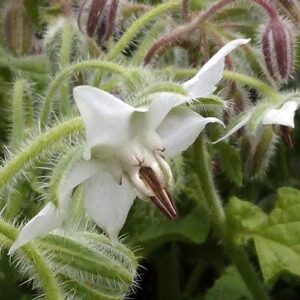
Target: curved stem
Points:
(39, 146)
(253, 82)
(89, 64)
(47, 278)
(235, 253)
(207, 184)
(162, 87)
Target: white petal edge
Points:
(233, 130)
(180, 129)
(52, 217)
(106, 118)
(48, 219)
(282, 116)
(204, 82)
(108, 202)
(159, 107)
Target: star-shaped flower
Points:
(282, 115)
(126, 152)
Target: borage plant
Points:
(105, 102)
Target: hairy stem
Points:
(65, 58)
(259, 85)
(40, 145)
(236, 254)
(51, 288)
(68, 71)
(18, 121)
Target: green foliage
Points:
(154, 231)
(229, 286)
(276, 236)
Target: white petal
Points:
(180, 129)
(107, 202)
(106, 118)
(160, 106)
(52, 217)
(234, 129)
(45, 221)
(204, 82)
(282, 116)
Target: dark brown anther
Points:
(285, 133)
(162, 199)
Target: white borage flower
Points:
(282, 115)
(126, 150)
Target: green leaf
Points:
(32, 9)
(231, 162)
(243, 218)
(150, 232)
(229, 286)
(276, 237)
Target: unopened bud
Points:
(18, 28)
(97, 19)
(292, 8)
(278, 48)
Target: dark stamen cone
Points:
(162, 199)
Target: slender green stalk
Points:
(110, 85)
(18, 121)
(35, 63)
(50, 285)
(65, 58)
(207, 184)
(262, 87)
(162, 87)
(39, 146)
(236, 254)
(68, 71)
(150, 37)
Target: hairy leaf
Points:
(276, 237)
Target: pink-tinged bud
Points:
(278, 48)
(18, 28)
(97, 19)
(292, 7)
